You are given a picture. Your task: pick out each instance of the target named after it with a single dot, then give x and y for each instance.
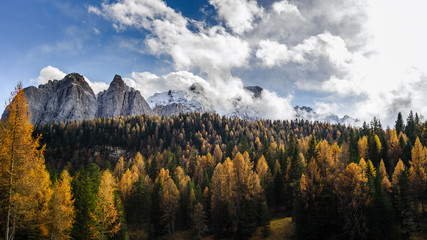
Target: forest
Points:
(210, 175)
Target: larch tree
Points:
(394, 149)
(169, 200)
(263, 171)
(385, 178)
(25, 183)
(119, 170)
(353, 199)
(105, 215)
(400, 167)
(418, 170)
(62, 212)
(198, 218)
(362, 147)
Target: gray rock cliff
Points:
(121, 100)
(68, 99)
(72, 99)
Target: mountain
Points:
(307, 113)
(121, 100)
(174, 102)
(72, 99)
(65, 100)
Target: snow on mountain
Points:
(308, 113)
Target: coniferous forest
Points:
(211, 176)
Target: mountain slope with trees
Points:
(215, 175)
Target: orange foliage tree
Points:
(25, 183)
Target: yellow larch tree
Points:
(169, 200)
(105, 215)
(362, 147)
(394, 149)
(353, 197)
(385, 178)
(126, 183)
(62, 212)
(263, 171)
(400, 167)
(119, 170)
(418, 170)
(24, 181)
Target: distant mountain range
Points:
(73, 99)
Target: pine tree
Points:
(24, 180)
(399, 126)
(62, 212)
(85, 186)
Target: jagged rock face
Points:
(256, 90)
(73, 99)
(65, 100)
(121, 100)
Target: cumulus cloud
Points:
(49, 73)
(97, 86)
(272, 53)
(348, 53)
(284, 7)
(239, 15)
(213, 51)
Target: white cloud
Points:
(97, 86)
(239, 15)
(96, 31)
(49, 73)
(272, 53)
(286, 8)
(366, 56)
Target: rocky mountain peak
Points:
(120, 99)
(118, 82)
(73, 99)
(75, 78)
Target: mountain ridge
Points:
(72, 98)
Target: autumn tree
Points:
(169, 200)
(198, 218)
(353, 199)
(105, 214)
(394, 151)
(384, 177)
(418, 171)
(119, 170)
(25, 183)
(362, 147)
(62, 212)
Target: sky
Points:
(363, 58)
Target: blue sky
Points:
(357, 57)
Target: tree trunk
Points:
(9, 236)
